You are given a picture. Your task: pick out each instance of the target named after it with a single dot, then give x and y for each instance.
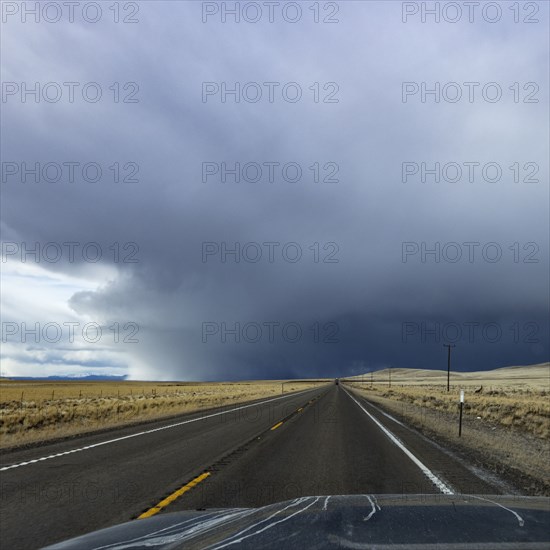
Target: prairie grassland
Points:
(32, 411)
(506, 423)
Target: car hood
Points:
(353, 521)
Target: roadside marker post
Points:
(460, 416)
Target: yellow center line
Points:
(300, 409)
(175, 495)
(276, 426)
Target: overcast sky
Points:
(344, 284)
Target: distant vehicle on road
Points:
(337, 381)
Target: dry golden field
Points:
(33, 411)
(506, 416)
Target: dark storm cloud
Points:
(369, 308)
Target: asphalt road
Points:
(319, 442)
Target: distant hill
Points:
(537, 376)
(87, 377)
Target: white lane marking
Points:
(445, 489)
(386, 414)
(269, 526)
(373, 511)
(34, 461)
(519, 518)
(325, 504)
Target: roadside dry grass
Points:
(506, 424)
(32, 411)
(523, 411)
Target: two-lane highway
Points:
(326, 441)
(340, 445)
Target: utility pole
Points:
(448, 346)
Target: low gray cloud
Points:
(384, 277)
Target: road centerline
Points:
(173, 496)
